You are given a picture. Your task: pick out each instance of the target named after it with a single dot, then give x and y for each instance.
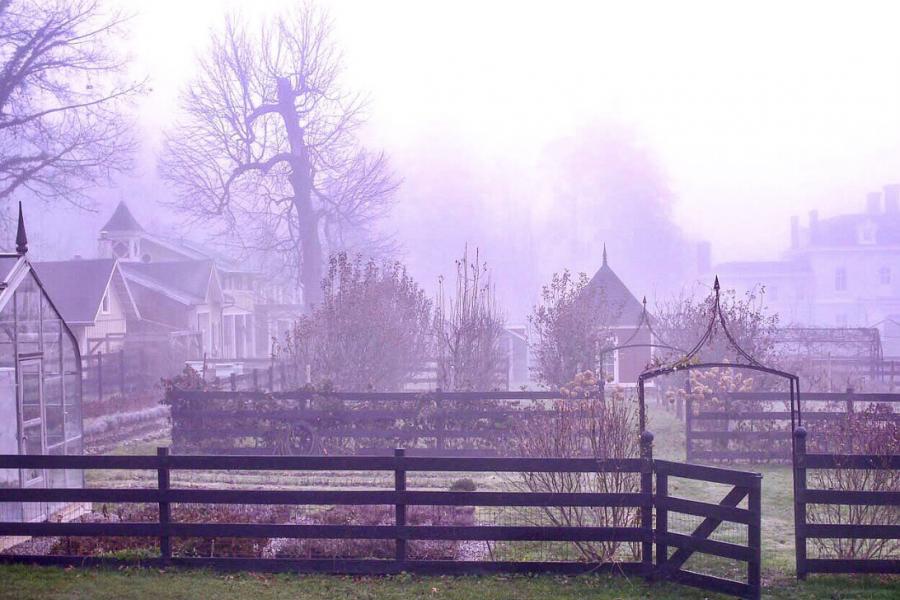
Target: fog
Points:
(744, 116)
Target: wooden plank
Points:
(688, 544)
(845, 530)
(332, 497)
(325, 463)
(336, 566)
(268, 530)
(711, 583)
(706, 473)
(846, 565)
(740, 435)
(851, 461)
(705, 509)
(871, 498)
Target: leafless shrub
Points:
(586, 423)
(870, 431)
(569, 328)
(468, 328)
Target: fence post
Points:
(400, 508)
(122, 372)
(849, 401)
(688, 421)
(232, 379)
(100, 375)
(800, 500)
(662, 521)
(271, 378)
(283, 374)
(165, 515)
(255, 379)
(647, 508)
(754, 537)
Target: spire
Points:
(604, 254)
(21, 238)
(716, 285)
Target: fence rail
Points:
(756, 426)
(643, 532)
(803, 497)
(425, 423)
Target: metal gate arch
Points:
(745, 484)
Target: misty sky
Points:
(755, 110)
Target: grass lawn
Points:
(48, 583)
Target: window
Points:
(120, 249)
(608, 366)
(884, 275)
(840, 279)
(104, 303)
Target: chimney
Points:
(704, 258)
(873, 203)
(795, 232)
(892, 198)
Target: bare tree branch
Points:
(62, 97)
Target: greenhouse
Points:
(40, 385)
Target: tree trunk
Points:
(309, 251)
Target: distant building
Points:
(842, 271)
(630, 345)
(94, 299)
(181, 286)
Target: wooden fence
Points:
(803, 496)
(116, 373)
(165, 528)
(304, 422)
(756, 426)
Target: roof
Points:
(122, 220)
(843, 230)
(187, 280)
(606, 287)
(76, 286)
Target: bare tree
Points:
(62, 95)
(269, 151)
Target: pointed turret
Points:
(21, 237)
(604, 254)
(122, 220)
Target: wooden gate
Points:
(671, 566)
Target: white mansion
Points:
(843, 271)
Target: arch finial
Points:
(604, 254)
(716, 285)
(21, 237)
